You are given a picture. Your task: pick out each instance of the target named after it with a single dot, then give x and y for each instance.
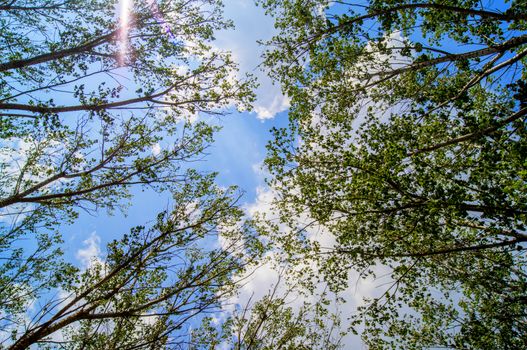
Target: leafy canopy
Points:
(407, 141)
(91, 105)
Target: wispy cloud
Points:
(90, 254)
(252, 25)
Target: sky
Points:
(239, 147)
(236, 154)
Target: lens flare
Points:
(125, 13)
(124, 29)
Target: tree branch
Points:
(449, 250)
(53, 56)
(507, 45)
(521, 113)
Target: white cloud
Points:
(156, 149)
(263, 202)
(91, 253)
(260, 172)
(266, 109)
(251, 25)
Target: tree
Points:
(151, 282)
(407, 142)
(86, 98)
(92, 103)
(285, 318)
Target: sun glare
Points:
(125, 27)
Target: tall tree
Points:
(407, 142)
(87, 98)
(145, 290)
(96, 97)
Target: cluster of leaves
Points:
(408, 143)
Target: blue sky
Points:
(236, 154)
(238, 149)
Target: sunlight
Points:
(125, 27)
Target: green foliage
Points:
(407, 143)
(277, 321)
(85, 101)
(88, 109)
(150, 282)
